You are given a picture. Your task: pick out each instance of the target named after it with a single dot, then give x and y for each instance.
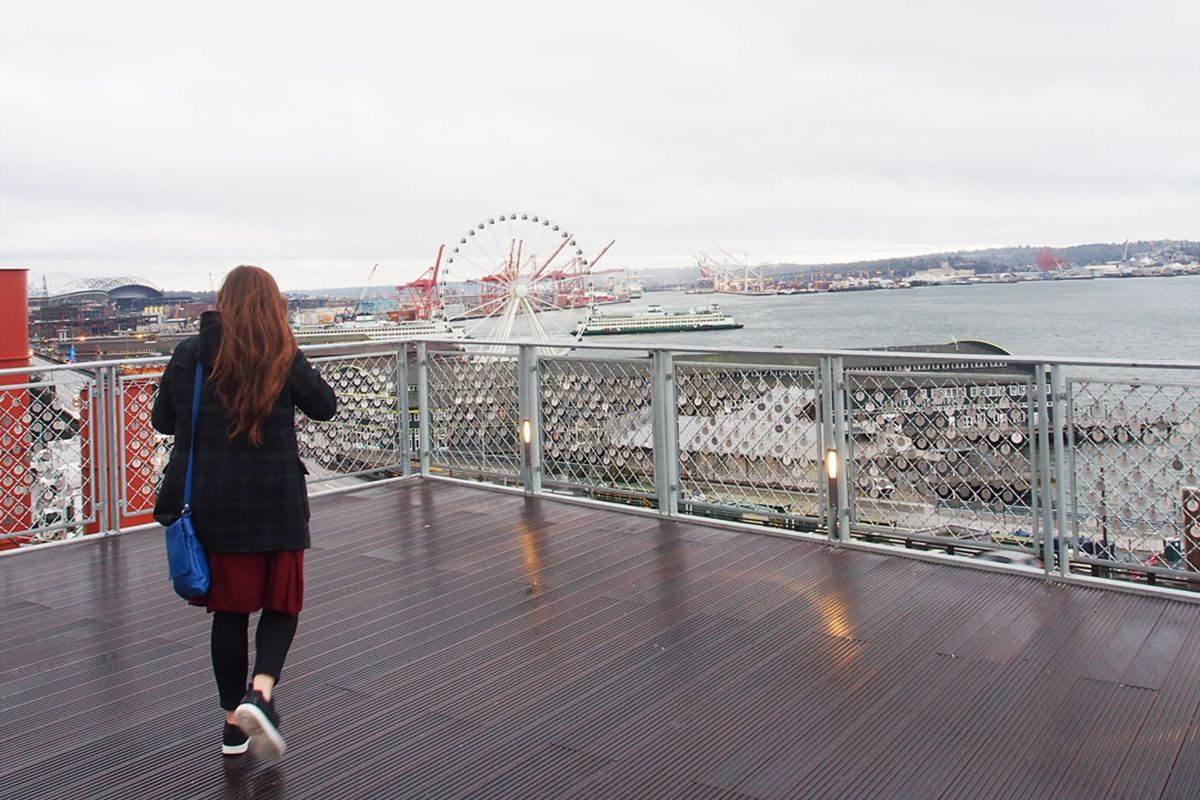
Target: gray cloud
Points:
(318, 139)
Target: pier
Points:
(606, 571)
(462, 641)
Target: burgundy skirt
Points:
(245, 582)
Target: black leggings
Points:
(230, 656)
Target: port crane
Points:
(1046, 260)
(751, 280)
(420, 299)
(362, 294)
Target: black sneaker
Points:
(257, 718)
(233, 741)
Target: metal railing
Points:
(80, 456)
(1083, 465)
(1080, 465)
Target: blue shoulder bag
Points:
(186, 562)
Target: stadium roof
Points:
(68, 290)
(57, 285)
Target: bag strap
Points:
(187, 483)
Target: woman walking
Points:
(249, 498)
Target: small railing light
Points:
(831, 464)
(526, 431)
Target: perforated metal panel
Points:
(473, 414)
(1136, 452)
(749, 438)
(597, 424)
(367, 433)
(943, 455)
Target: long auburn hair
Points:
(256, 350)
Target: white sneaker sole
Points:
(265, 739)
(234, 749)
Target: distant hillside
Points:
(1005, 259)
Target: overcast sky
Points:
(175, 140)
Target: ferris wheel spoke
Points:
(485, 308)
(536, 331)
(541, 305)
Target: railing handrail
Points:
(888, 355)
(914, 356)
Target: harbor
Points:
(929, 450)
(1026, 317)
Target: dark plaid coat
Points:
(244, 499)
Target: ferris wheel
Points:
(516, 276)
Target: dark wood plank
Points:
(459, 641)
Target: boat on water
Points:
(655, 320)
(367, 327)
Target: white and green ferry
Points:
(655, 320)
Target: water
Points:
(1129, 319)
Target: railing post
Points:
(666, 433)
(842, 485)
(1034, 450)
(101, 476)
(403, 421)
(529, 426)
(826, 497)
(1058, 420)
(1072, 487)
(423, 407)
(113, 405)
(98, 476)
(1045, 490)
(833, 486)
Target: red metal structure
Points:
(569, 285)
(15, 475)
(1046, 261)
(419, 299)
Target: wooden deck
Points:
(464, 642)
